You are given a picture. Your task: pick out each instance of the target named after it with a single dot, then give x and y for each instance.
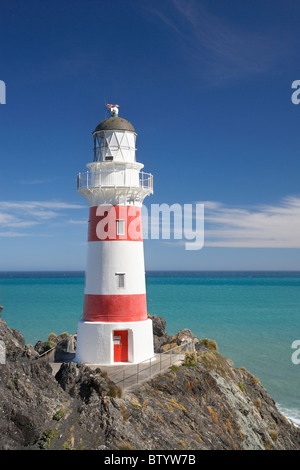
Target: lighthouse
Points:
(114, 327)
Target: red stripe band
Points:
(110, 222)
(115, 308)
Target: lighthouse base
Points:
(103, 343)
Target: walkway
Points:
(129, 375)
(132, 375)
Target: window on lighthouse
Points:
(120, 227)
(120, 280)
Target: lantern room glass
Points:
(115, 145)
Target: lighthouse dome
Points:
(114, 123)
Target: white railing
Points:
(104, 179)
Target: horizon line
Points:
(150, 270)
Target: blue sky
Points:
(207, 85)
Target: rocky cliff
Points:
(205, 403)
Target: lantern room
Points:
(114, 139)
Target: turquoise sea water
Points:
(253, 316)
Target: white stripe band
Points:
(107, 261)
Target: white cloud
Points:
(261, 226)
(264, 226)
(23, 214)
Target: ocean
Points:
(253, 316)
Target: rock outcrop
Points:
(205, 403)
(16, 349)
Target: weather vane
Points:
(113, 109)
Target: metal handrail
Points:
(88, 180)
(151, 364)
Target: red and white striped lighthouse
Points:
(115, 327)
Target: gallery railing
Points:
(103, 179)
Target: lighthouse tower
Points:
(114, 327)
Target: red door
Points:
(121, 346)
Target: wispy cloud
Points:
(24, 214)
(260, 226)
(37, 181)
(264, 226)
(217, 49)
(77, 222)
(13, 234)
(39, 204)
